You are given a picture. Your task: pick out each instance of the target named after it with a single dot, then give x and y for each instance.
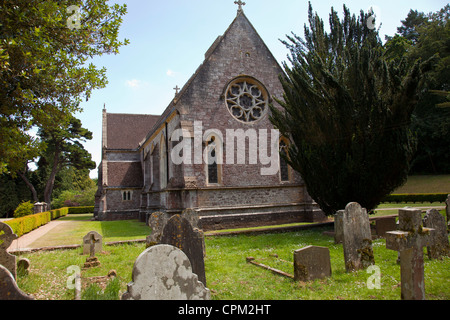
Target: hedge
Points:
(80, 210)
(416, 197)
(23, 225)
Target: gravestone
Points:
(409, 241)
(438, 244)
(357, 238)
(92, 237)
(92, 260)
(192, 216)
(7, 236)
(23, 266)
(312, 263)
(447, 209)
(164, 272)
(179, 233)
(8, 287)
(156, 222)
(338, 235)
(384, 225)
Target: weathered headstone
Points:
(447, 209)
(7, 236)
(409, 241)
(8, 287)
(179, 233)
(23, 266)
(438, 244)
(312, 263)
(93, 237)
(384, 225)
(156, 222)
(357, 238)
(338, 234)
(164, 272)
(192, 216)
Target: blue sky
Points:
(168, 40)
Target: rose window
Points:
(246, 99)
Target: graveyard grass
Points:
(230, 277)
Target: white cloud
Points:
(171, 73)
(134, 83)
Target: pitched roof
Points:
(125, 131)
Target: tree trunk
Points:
(51, 180)
(30, 186)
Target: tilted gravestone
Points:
(438, 244)
(447, 209)
(8, 287)
(179, 233)
(409, 241)
(156, 222)
(164, 272)
(7, 236)
(92, 238)
(357, 238)
(312, 263)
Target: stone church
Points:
(212, 148)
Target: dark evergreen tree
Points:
(347, 111)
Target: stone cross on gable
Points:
(409, 241)
(176, 90)
(240, 4)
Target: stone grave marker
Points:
(409, 241)
(357, 238)
(179, 233)
(164, 272)
(7, 236)
(447, 209)
(192, 216)
(312, 263)
(92, 260)
(92, 237)
(383, 225)
(338, 235)
(23, 266)
(438, 244)
(8, 287)
(156, 222)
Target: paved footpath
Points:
(24, 241)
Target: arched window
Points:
(126, 195)
(284, 167)
(213, 159)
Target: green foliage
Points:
(347, 110)
(81, 210)
(24, 209)
(23, 225)
(44, 67)
(75, 198)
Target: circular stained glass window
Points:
(246, 99)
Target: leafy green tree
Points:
(65, 149)
(44, 67)
(346, 110)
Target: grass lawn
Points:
(81, 224)
(230, 277)
(426, 184)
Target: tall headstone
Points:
(156, 222)
(8, 287)
(7, 236)
(409, 241)
(357, 238)
(384, 225)
(447, 209)
(438, 244)
(312, 263)
(92, 238)
(338, 235)
(164, 272)
(179, 233)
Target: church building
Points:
(213, 150)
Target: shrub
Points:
(80, 210)
(416, 197)
(24, 209)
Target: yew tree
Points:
(346, 110)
